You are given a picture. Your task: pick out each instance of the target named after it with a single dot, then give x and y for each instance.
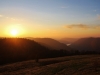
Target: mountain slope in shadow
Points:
(51, 43)
(68, 40)
(19, 49)
(87, 44)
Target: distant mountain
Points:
(68, 40)
(87, 44)
(51, 43)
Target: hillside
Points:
(51, 43)
(87, 44)
(18, 49)
(70, 65)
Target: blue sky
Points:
(46, 15)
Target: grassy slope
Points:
(70, 65)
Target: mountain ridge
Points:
(51, 43)
(87, 44)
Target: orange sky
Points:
(49, 18)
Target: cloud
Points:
(77, 26)
(94, 10)
(97, 27)
(14, 19)
(98, 17)
(10, 18)
(65, 7)
(7, 17)
(83, 26)
(1, 15)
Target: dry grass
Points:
(70, 65)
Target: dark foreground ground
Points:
(69, 65)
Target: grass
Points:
(69, 65)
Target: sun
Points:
(14, 32)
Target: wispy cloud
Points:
(94, 10)
(13, 19)
(97, 27)
(98, 16)
(83, 26)
(1, 15)
(64, 6)
(7, 17)
(10, 18)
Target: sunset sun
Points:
(14, 32)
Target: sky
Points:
(50, 18)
